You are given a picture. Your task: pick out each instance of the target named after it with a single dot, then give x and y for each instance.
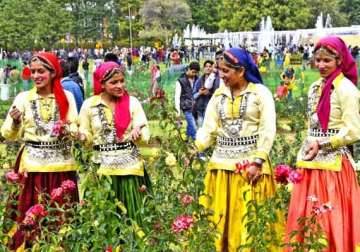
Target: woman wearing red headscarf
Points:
(329, 189)
(113, 122)
(45, 160)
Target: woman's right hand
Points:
(15, 115)
(311, 151)
(81, 137)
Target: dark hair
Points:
(73, 64)
(111, 57)
(194, 66)
(65, 68)
(208, 62)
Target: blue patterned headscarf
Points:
(238, 57)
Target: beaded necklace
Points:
(233, 126)
(44, 127)
(108, 133)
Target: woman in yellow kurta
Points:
(240, 122)
(113, 122)
(329, 184)
(45, 160)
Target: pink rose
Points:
(12, 177)
(241, 166)
(142, 188)
(187, 199)
(29, 221)
(68, 186)
(282, 173)
(181, 223)
(57, 194)
(37, 210)
(295, 177)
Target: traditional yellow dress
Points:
(241, 128)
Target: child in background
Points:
(288, 77)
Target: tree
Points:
(331, 7)
(51, 22)
(205, 13)
(15, 26)
(163, 17)
(241, 15)
(27, 23)
(352, 9)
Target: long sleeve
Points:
(349, 97)
(72, 114)
(85, 123)
(74, 88)
(9, 129)
(196, 89)
(139, 119)
(207, 133)
(267, 124)
(209, 82)
(177, 97)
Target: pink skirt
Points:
(341, 191)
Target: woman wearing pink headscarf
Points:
(113, 122)
(329, 189)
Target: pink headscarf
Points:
(348, 68)
(122, 109)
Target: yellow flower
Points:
(6, 166)
(170, 160)
(122, 207)
(64, 230)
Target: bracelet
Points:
(258, 162)
(324, 144)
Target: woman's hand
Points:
(81, 137)
(311, 151)
(136, 132)
(15, 115)
(253, 173)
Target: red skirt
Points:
(342, 223)
(34, 184)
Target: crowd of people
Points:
(227, 109)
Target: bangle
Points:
(324, 144)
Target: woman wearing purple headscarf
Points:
(329, 188)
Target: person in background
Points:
(184, 100)
(68, 84)
(203, 94)
(288, 79)
(85, 66)
(73, 65)
(26, 76)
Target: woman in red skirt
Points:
(40, 117)
(329, 189)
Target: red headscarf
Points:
(347, 67)
(122, 109)
(57, 89)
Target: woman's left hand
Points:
(136, 133)
(253, 174)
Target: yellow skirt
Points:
(224, 192)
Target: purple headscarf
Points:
(347, 67)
